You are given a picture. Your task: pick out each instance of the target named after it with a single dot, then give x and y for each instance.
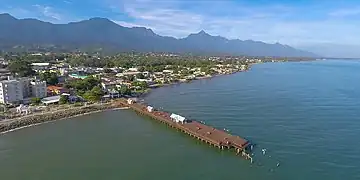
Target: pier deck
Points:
(208, 134)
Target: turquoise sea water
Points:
(306, 114)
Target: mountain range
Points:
(103, 33)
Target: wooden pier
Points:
(200, 131)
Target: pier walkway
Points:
(205, 133)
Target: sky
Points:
(300, 23)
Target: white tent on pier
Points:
(178, 118)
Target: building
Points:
(133, 69)
(77, 76)
(114, 94)
(38, 89)
(61, 79)
(40, 66)
(51, 100)
(56, 90)
(150, 109)
(107, 86)
(11, 92)
(26, 86)
(15, 91)
(4, 73)
(177, 118)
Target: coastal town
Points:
(42, 87)
(43, 81)
(35, 90)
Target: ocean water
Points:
(305, 114)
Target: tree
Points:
(124, 90)
(51, 78)
(83, 85)
(140, 76)
(35, 100)
(21, 68)
(94, 95)
(64, 99)
(141, 69)
(207, 70)
(143, 85)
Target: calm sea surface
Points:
(306, 114)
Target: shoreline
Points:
(16, 124)
(11, 125)
(143, 95)
(65, 118)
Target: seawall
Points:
(39, 118)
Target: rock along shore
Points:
(29, 120)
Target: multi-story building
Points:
(11, 91)
(14, 91)
(38, 89)
(4, 73)
(26, 86)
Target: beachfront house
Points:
(107, 86)
(56, 99)
(114, 93)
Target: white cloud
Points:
(269, 23)
(48, 12)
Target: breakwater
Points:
(39, 118)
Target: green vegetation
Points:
(144, 62)
(207, 70)
(12, 56)
(64, 99)
(83, 85)
(140, 85)
(94, 95)
(88, 88)
(35, 101)
(124, 90)
(78, 104)
(51, 78)
(160, 69)
(21, 68)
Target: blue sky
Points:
(293, 22)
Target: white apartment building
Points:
(14, 91)
(11, 92)
(38, 89)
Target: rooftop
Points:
(55, 88)
(52, 99)
(40, 64)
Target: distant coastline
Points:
(10, 125)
